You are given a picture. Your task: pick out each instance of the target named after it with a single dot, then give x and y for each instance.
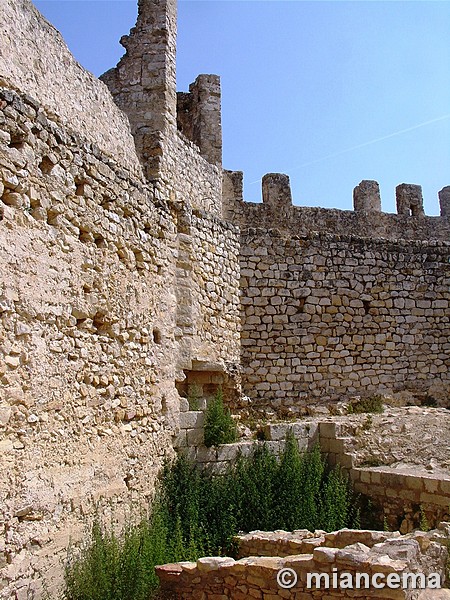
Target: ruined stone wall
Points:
(35, 60)
(90, 322)
(328, 316)
(94, 334)
(143, 85)
(347, 551)
(400, 459)
(87, 338)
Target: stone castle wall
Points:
(181, 148)
(111, 292)
(36, 61)
(366, 220)
(328, 316)
(122, 287)
(91, 316)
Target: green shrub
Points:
(372, 404)
(196, 513)
(219, 425)
(111, 567)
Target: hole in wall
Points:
(100, 322)
(18, 139)
(157, 336)
(366, 305)
(99, 241)
(85, 236)
(301, 305)
(46, 165)
(205, 384)
(106, 202)
(79, 191)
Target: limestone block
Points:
(276, 191)
(194, 437)
(207, 564)
(193, 419)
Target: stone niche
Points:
(202, 382)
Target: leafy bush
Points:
(372, 404)
(219, 425)
(112, 567)
(196, 514)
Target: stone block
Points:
(409, 200)
(180, 441)
(195, 437)
(277, 431)
(206, 455)
(435, 499)
(192, 419)
(327, 430)
(276, 191)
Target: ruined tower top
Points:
(144, 81)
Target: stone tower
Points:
(143, 83)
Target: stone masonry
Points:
(263, 554)
(133, 271)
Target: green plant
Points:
(219, 425)
(372, 404)
(423, 524)
(196, 513)
(429, 401)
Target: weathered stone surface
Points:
(122, 287)
(255, 575)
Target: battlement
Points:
(366, 220)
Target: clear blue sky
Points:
(307, 87)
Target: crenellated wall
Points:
(339, 303)
(365, 221)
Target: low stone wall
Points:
(191, 440)
(346, 551)
(405, 494)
